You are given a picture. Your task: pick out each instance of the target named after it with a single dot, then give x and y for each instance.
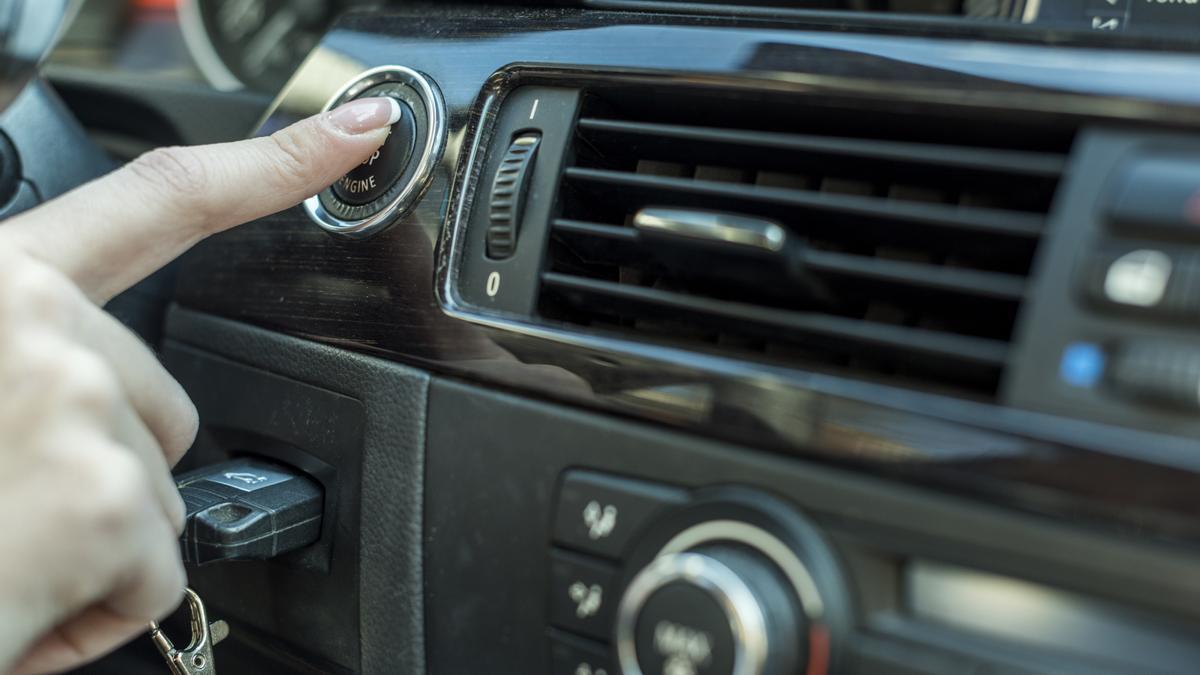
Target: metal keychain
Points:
(197, 658)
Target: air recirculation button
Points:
(507, 199)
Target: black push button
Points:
(248, 509)
(371, 179)
(1160, 282)
(1159, 373)
(601, 514)
(1160, 193)
(570, 655)
(583, 594)
(1138, 278)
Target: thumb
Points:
(113, 232)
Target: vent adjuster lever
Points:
(506, 202)
(713, 227)
(747, 237)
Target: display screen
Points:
(1166, 17)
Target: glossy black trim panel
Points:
(379, 295)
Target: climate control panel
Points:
(648, 579)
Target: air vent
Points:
(892, 243)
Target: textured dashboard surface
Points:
(391, 625)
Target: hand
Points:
(90, 423)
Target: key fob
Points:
(248, 509)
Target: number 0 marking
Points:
(493, 284)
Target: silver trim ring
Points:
(746, 619)
(435, 141)
(763, 542)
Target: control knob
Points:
(719, 609)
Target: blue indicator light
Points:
(1082, 364)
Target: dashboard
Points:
(691, 338)
(258, 44)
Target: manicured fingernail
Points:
(366, 114)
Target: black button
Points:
(683, 626)
(570, 655)
(1138, 278)
(1159, 282)
(1158, 372)
(601, 514)
(380, 172)
(1161, 193)
(583, 594)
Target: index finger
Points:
(109, 234)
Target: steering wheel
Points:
(44, 151)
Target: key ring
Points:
(197, 657)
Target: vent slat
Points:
(596, 230)
(989, 285)
(798, 152)
(837, 209)
(833, 332)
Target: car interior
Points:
(759, 337)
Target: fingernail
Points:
(366, 114)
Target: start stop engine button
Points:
(385, 187)
(374, 177)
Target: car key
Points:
(197, 657)
(248, 509)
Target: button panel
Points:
(597, 518)
(1118, 270)
(601, 514)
